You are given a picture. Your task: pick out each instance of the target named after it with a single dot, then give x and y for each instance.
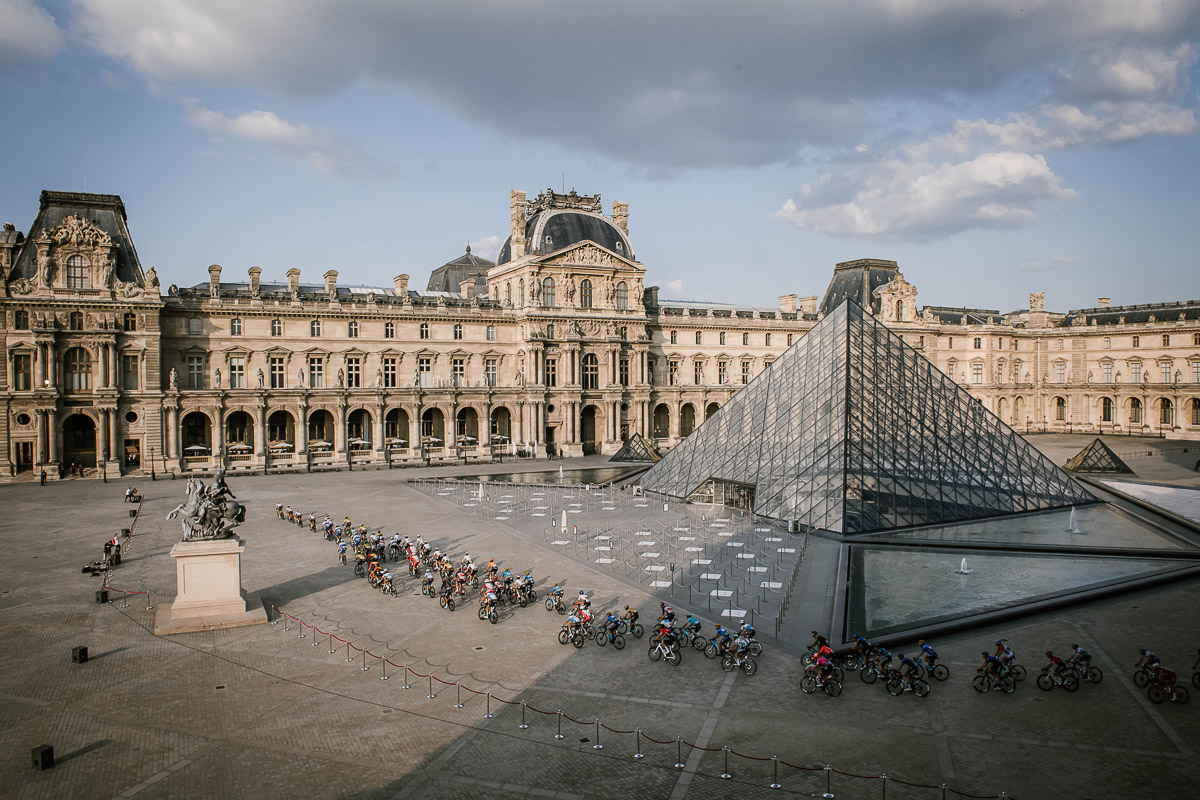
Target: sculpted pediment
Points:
(79, 231)
(587, 254)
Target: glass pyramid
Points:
(852, 430)
(636, 448)
(1097, 457)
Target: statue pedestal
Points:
(209, 579)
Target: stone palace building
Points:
(560, 347)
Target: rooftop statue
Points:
(210, 512)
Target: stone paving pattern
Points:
(261, 712)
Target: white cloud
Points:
(674, 288)
(896, 199)
(488, 247)
(325, 152)
(28, 35)
(1054, 263)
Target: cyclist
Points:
(1079, 658)
(489, 600)
(1149, 659)
(610, 625)
(556, 592)
(745, 630)
(818, 642)
(631, 615)
(342, 552)
(693, 625)
(583, 601)
(312, 521)
(991, 666)
(1165, 679)
(823, 668)
(668, 615)
(741, 647)
(883, 659)
(722, 638)
(908, 670)
(387, 581)
(427, 579)
(1004, 653)
(1056, 664)
(862, 647)
(928, 654)
(279, 510)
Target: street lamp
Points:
(153, 477)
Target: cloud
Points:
(900, 200)
(488, 247)
(1055, 263)
(674, 287)
(682, 84)
(324, 151)
(29, 36)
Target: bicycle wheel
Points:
(1008, 685)
(808, 685)
(522, 601)
(618, 641)
(700, 643)
(442, 601)
(980, 683)
(852, 662)
(755, 648)
(1195, 679)
(1094, 675)
(750, 666)
(868, 675)
(482, 612)
(920, 687)
(655, 654)
(837, 674)
(637, 630)
(549, 603)
(1156, 694)
(712, 650)
(601, 639)
(561, 608)
(623, 626)
(492, 618)
(674, 657)
(532, 596)
(1141, 678)
(1017, 671)
(941, 672)
(895, 687)
(1045, 682)
(1181, 695)
(563, 636)
(833, 687)
(1070, 683)
(727, 663)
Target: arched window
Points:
(1060, 409)
(585, 293)
(1106, 410)
(591, 372)
(1135, 411)
(77, 363)
(622, 296)
(1196, 412)
(521, 292)
(548, 292)
(1166, 412)
(507, 293)
(78, 275)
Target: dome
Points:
(551, 230)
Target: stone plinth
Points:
(209, 579)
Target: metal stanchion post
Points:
(125, 603)
(385, 675)
(637, 732)
(459, 704)
(331, 643)
(597, 745)
(559, 735)
(488, 715)
(726, 774)
(522, 726)
(364, 667)
(301, 634)
(943, 791)
(884, 778)
(828, 781)
(405, 686)
(349, 657)
(149, 605)
(285, 623)
(431, 695)
(775, 774)
(679, 753)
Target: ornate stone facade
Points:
(567, 352)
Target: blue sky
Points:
(993, 148)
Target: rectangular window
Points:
(77, 275)
(389, 372)
(1195, 338)
(1137, 341)
(129, 322)
(1060, 344)
(1107, 342)
(699, 338)
(674, 337)
(424, 330)
(1135, 372)
(1196, 412)
(277, 327)
(314, 328)
(275, 366)
(389, 330)
(193, 326)
(721, 337)
(1060, 373)
(316, 372)
(425, 371)
(672, 372)
(491, 333)
(745, 339)
(1164, 372)
(551, 372)
(22, 373)
(1108, 373)
(1166, 340)
(489, 371)
(767, 340)
(791, 340)
(977, 373)
(458, 371)
(745, 372)
(237, 372)
(979, 343)
(722, 372)
(195, 372)
(698, 370)
(353, 372)
(352, 329)
(624, 371)
(1196, 372)
(21, 319)
(458, 333)
(235, 326)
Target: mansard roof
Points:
(105, 210)
(557, 221)
(857, 280)
(1116, 315)
(948, 315)
(449, 276)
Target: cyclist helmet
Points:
(627, 608)
(1074, 646)
(986, 654)
(1049, 654)
(997, 641)
(581, 591)
(921, 642)
(1142, 650)
(900, 656)
(814, 633)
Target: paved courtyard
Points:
(265, 712)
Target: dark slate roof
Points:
(10, 235)
(857, 281)
(1113, 315)
(551, 230)
(947, 315)
(447, 277)
(106, 210)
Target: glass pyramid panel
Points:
(636, 448)
(852, 430)
(1097, 457)
(881, 599)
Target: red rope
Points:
(852, 775)
(614, 730)
(656, 741)
(472, 691)
(974, 796)
(538, 710)
(576, 721)
(126, 591)
(914, 785)
(705, 749)
(752, 758)
(444, 683)
(818, 769)
(506, 702)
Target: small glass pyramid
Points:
(636, 448)
(1097, 457)
(851, 430)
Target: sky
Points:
(991, 147)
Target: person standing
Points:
(44, 477)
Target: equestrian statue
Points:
(210, 512)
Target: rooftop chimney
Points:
(214, 279)
(255, 277)
(401, 284)
(516, 208)
(293, 276)
(621, 216)
(787, 303)
(1104, 302)
(331, 282)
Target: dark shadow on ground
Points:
(96, 745)
(283, 593)
(99, 656)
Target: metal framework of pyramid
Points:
(636, 448)
(852, 430)
(1097, 457)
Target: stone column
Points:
(377, 427)
(173, 432)
(113, 423)
(38, 361)
(52, 437)
(41, 439)
(113, 358)
(518, 435)
(51, 365)
(302, 429)
(102, 435)
(260, 432)
(339, 431)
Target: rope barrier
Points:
(638, 732)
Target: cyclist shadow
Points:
(281, 594)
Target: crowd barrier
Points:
(126, 551)
(597, 726)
